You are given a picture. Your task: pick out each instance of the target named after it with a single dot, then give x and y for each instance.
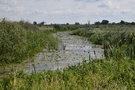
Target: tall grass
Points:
(21, 40)
(118, 41)
(96, 75)
(64, 27)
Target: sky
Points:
(68, 11)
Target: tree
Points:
(122, 22)
(105, 22)
(42, 23)
(67, 23)
(77, 23)
(97, 23)
(132, 23)
(35, 23)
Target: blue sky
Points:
(68, 11)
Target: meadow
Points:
(115, 72)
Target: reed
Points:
(99, 74)
(22, 40)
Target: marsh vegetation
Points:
(20, 41)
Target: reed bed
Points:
(22, 40)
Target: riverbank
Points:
(98, 74)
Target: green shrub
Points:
(13, 41)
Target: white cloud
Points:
(108, 4)
(10, 7)
(60, 11)
(88, 0)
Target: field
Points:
(115, 72)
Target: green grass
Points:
(94, 75)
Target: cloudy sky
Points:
(68, 11)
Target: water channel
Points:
(72, 50)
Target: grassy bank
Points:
(95, 75)
(22, 40)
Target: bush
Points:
(13, 41)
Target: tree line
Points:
(122, 22)
(103, 22)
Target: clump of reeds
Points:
(21, 40)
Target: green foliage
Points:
(65, 27)
(27, 26)
(60, 28)
(117, 72)
(21, 40)
(105, 22)
(97, 74)
(41, 24)
(118, 41)
(12, 41)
